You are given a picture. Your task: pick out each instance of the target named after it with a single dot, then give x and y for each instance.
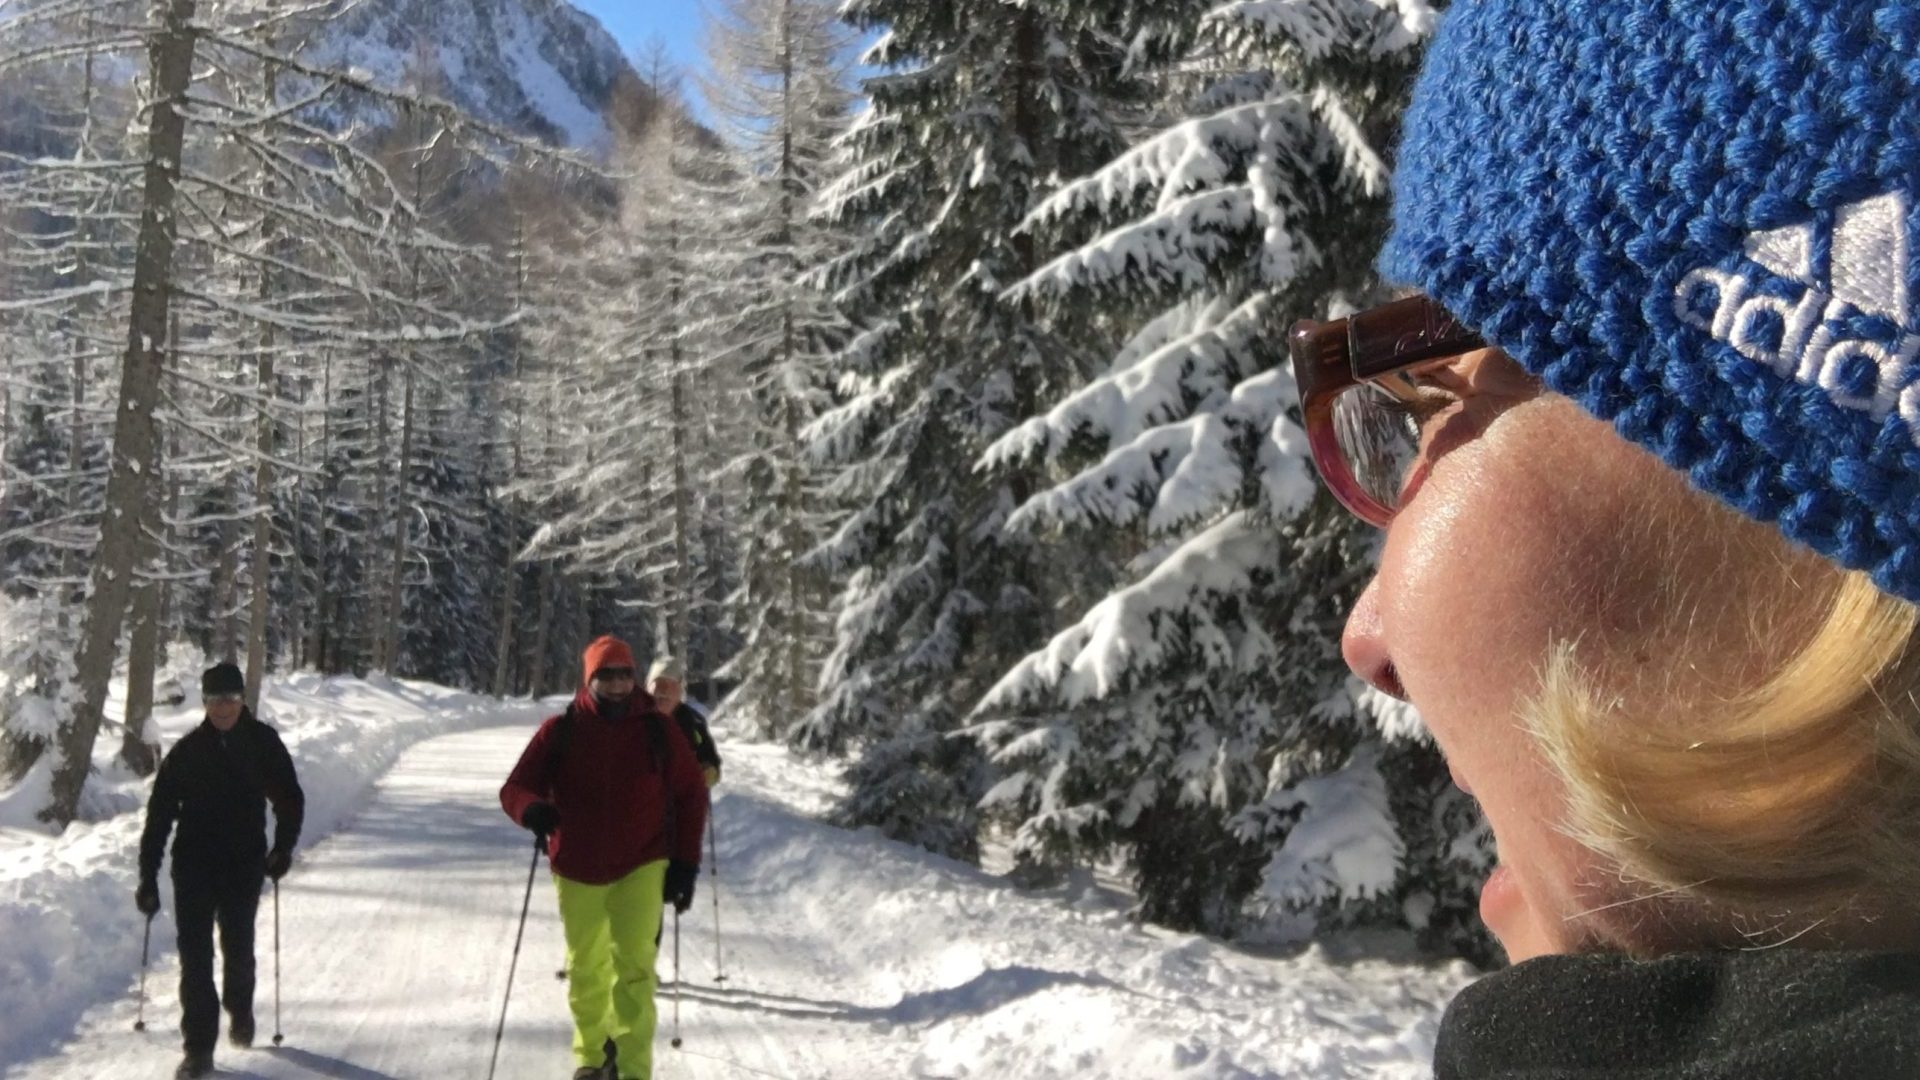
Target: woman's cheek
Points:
(1481, 574)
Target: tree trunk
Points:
(262, 537)
(71, 563)
(167, 609)
(226, 576)
(135, 453)
(76, 450)
(509, 577)
(542, 624)
(504, 638)
(6, 370)
(681, 591)
(291, 632)
(15, 756)
(396, 583)
(393, 606)
(140, 748)
(376, 645)
(323, 539)
(256, 633)
(796, 685)
(263, 466)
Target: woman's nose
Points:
(1364, 644)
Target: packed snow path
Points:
(847, 957)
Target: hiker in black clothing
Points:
(666, 681)
(216, 782)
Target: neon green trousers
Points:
(612, 937)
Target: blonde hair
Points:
(1799, 795)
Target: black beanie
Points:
(222, 679)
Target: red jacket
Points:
(619, 807)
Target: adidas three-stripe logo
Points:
(1836, 315)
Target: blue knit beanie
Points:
(1697, 219)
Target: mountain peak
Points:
(542, 67)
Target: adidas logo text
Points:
(1845, 328)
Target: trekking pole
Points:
(676, 979)
(146, 938)
(277, 1037)
(713, 868)
(501, 1031)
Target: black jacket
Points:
(217, 787)
(694, 727)
(1762, 1014)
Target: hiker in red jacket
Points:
(614, 792)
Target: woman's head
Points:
(1650, 695)
(1626, 582)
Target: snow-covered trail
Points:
(847, 957)
(396, 940)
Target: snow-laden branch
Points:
(452, 328)
(49, 166)
(1189, 358)
(1181, 248)
(1130, 634)
(1289, 132)
(9, 62)
(1321, 29)
(102, 289)
(1186, 472)
(1343, 843)
(240, 450)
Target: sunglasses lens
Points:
(1379, 441)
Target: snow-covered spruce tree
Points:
(781, 88)
(981, 105)
(1198, 718)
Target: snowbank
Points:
(71, 935)
(964, 975)
(848, 955)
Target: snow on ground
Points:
(847, 956)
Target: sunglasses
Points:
(1361, 399)
(224, 699)
(613, 674)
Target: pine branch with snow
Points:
(1195, 718)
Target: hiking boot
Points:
(194, 1066)
(240, 1032)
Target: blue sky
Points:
(634, 23)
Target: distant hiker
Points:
(216, 782)
(667, 682)
(614, 792)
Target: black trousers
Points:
(227, 897)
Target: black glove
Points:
(681, 877)
(277, 863)
(540, 819)
(147, 898)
